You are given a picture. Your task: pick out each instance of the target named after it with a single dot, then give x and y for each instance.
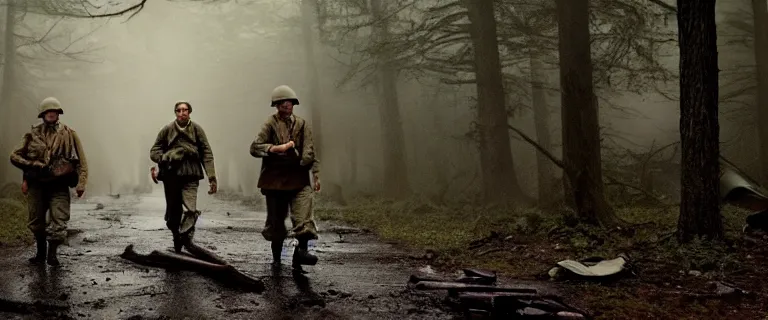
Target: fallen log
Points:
(203, 253)
(193, 264)
(226, 273)
(463, 287)
(145, 260)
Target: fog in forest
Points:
(118, 79)
(612, 152)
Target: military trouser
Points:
(300, 204)
(181, 205)
(45, 196)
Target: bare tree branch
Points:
(664, 5)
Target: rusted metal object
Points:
(465, 279)
(471, 276)
(480, 301)
(464, 287)
(168, 260)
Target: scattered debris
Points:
(590, 268)
(427, 270)
(473, 294)
(429, 255)
(476, 244)
(470, 276)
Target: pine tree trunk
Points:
(699, 128)
(500, 182)
(544, 166)
(7, 142)
(760, 16)
(313, 102)
(580, 122)
(396, 183)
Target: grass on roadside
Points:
(13, 216)
(527, 243)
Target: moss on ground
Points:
(527, 243)
(13, 216)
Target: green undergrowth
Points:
(526, 243)
(13, 216)
(421, 224)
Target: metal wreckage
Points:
(476, 295)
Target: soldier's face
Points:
(285, 108)
(51, 116)
(182, 112)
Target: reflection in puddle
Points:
(181, 300)
(45, 284)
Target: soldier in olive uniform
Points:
(53, 160)
(182, 153)
(287, 150)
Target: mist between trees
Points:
(532, 103)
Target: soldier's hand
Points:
(80, 192)
(38, 164)
(24, 187)
(213, 186)
(282, 148)
(153, 173)
(317, 183)
(277, 149)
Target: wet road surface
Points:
(358, 278)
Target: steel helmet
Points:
(49, 104)
(284, 92)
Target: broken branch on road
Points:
(220, 270)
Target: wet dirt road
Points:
(358, 278)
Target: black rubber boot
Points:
(301, 256)
(42, 249)
(53, 260)
(277, 249)
(177, 243)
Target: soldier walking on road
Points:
(182, 153)
(52, 159)
(287, 150)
